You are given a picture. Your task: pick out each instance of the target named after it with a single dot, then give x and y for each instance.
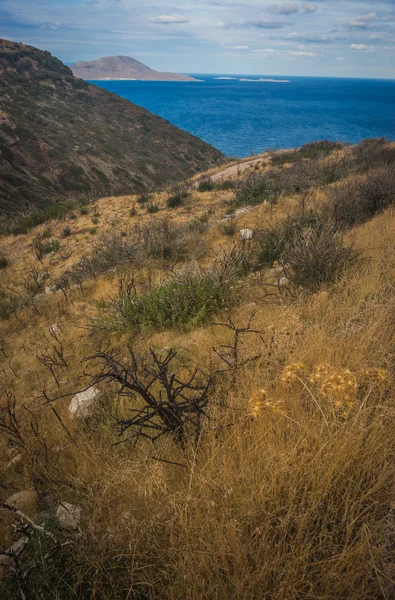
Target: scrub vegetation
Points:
(243, 442)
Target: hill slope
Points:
(60, 136)
(122, 67)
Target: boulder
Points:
(25, 501)
(69, 516)
(83, 405)
(246, 234)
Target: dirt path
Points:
(234, 169)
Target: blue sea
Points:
(241, 118)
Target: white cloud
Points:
(169, 19)
(302, 53)
(340, 58)
(239, 47)
(359, 47)
(266, 51)
(286, 8)
(363, 20)
(308, 7)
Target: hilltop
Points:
(122, 67)
(62, 137)
(237, 435)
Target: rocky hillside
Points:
(122, 67)
(188, 412)
(62, 137)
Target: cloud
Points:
(340, 58)
(263, 24)
(309, 8)
(303, 53)
(359, 47)
(258, 23)
(169, 19)
(363, 20)
(286, 8)
(308, 38)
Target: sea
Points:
(241, 116)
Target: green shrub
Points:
(178, 194)
(3, 262)
(206, 184)
(46, 234)
(310, 249)
(186, 302)
(84, 210)
(66, 231)
(152, 208)
(272, 241)
(41, 247)
(9, 303)
(257, 188)
(225, 184)
(132, 212)
(229, 228)
(93, 230)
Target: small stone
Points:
(246, 234)
(16, 547)
(69, 516)
(25, 501)
(84, 403)
(54, 329)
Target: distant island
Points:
(122, 68)
(267, 80)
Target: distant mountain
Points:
(122, 67)
(62, 137)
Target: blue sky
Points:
(346, 38)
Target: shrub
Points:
(93, 230)
(164, 240)
(41, 248)
(225, 184)
(145, 199)
(66, 231)
(271, 242)
(199, 224)
(177, 196)
(3, 262)
(229, 228)
(188, 300)
(360, 198)
(132, 212)
(84, 210)
(257, 188)
(316, 257)
(206, 184)
(152, 208)
(308, 247)
(46, 234)
(9, 303)
(23, 224)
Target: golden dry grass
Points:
(288, 493)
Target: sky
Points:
(340, 38)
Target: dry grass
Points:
(288, 493)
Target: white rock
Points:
(68, 515)
(282, 282)
(48, 290)
(25, 501)
(246, 234)
(13, 550)
(84, 403)
(54, 329)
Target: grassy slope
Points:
(62, 137)
(294, 503)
